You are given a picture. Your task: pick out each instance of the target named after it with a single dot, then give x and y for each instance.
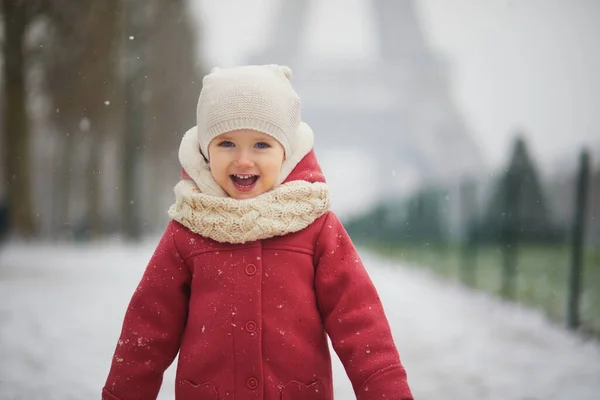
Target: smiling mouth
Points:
(243, 181)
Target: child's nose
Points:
(244, 159)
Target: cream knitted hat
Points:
(257, 97)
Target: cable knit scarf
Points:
(287, 208)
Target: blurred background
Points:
(460, 137)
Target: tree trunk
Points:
(93, 182)
(134, 118)
(62, 182)
(16, 147)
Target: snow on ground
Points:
(62, 307)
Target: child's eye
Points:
(226, 143)
(262, 145)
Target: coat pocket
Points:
(294, 390)
(188, 390)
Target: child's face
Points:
(245, 163)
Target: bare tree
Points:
(81, 81)
(97, 99)
(136, 18)
(173, 84)
(18, 15)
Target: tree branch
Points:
(35, 8)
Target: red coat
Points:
(250, 320)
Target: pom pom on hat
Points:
(257, 97)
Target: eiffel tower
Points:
(396, 107)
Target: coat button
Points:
(250, 269)
(251, 326)
(252, 383)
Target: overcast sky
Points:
(530, 64)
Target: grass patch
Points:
(541, 278)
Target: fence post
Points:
(577, 238)
(469, 222)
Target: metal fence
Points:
(517, 236)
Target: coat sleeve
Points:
(153, 325)
(354, 318)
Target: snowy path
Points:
(62, 307)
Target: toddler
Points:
(253, 271)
